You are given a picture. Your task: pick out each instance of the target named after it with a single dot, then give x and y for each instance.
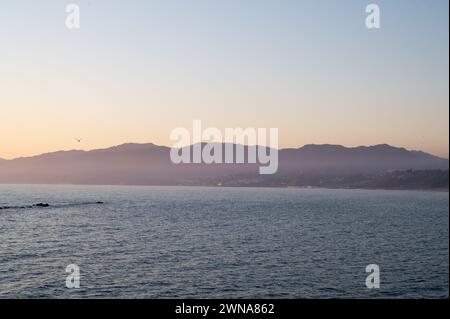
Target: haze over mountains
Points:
(379, 166)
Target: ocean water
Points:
(181, 242)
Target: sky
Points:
(136, 70)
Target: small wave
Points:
(46, 205)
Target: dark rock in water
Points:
(42, 205)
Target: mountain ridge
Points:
(131, 145)
(149, 164)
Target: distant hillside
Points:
(404, 179)
(149, 164)
(363, 159)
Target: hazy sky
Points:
(138, 69)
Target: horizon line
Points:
(245, 145)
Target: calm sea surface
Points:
(180, 242)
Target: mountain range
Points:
(379, 166)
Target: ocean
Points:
(206, 242)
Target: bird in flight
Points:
(78, 140)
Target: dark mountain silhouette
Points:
(149, 164)
(362, 159)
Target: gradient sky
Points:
(138, 69)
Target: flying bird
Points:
(78, 140)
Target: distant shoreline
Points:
(436, 190)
